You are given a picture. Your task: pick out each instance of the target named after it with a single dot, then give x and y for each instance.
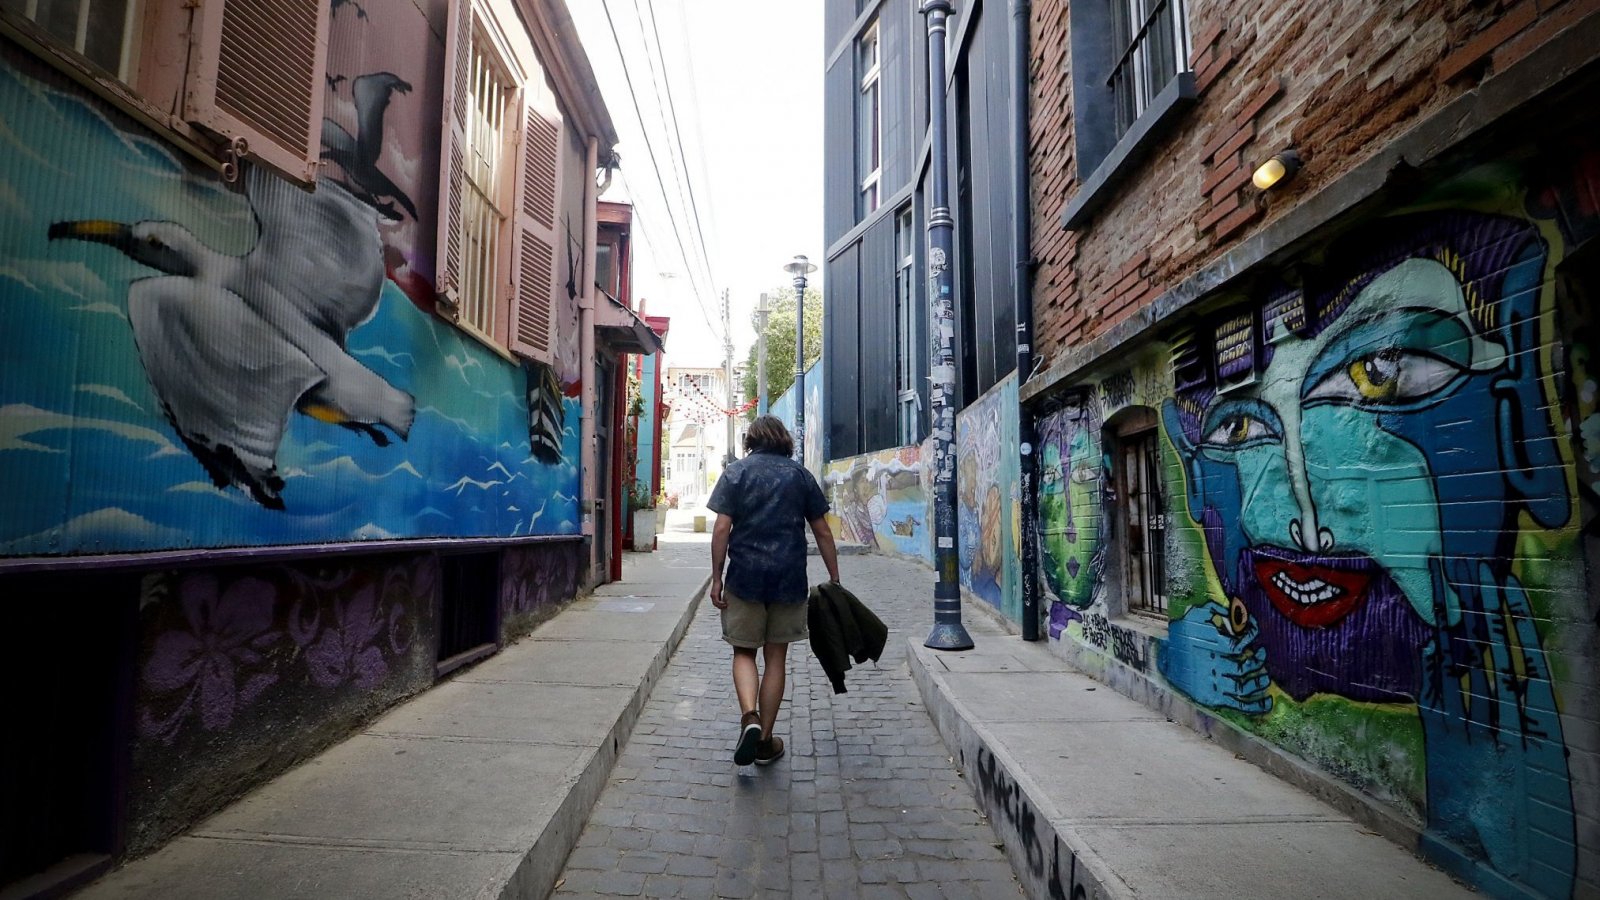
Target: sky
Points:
(746, 83)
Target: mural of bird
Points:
(358, 155)
(361, 11)
(233, 344)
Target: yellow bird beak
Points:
(98, 230)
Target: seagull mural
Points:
(233, 345)
(358, 155)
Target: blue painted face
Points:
(1344, 491)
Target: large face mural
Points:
(1363, 476)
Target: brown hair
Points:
(768, 434)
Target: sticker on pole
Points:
(947, 543)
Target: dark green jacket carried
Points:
(842, 629)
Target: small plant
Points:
(639, 496)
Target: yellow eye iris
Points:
(1238, 429)
(1376, 376)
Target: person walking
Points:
(763, 504)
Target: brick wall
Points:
(1335, 80)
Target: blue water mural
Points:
(116, 433)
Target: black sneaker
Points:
(744, 752)
(769, 751)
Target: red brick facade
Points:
(1335, 80)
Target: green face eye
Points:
(1237, 429)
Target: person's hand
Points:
(717, 599)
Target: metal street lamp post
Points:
(948, 632)
(800, 267)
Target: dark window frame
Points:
(1118, 119)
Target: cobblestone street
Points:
(866, 803)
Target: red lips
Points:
(1312, 595)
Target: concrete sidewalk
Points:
(477, 788)
(1095, 795)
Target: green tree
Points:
(780, 342)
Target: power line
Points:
(680, 170)
(683, 158)
(644, 231)
(650, 150)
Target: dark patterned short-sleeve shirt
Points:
(770, 499)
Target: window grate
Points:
(1154, 36)
(1146, 524)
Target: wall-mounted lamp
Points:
(1280, 167)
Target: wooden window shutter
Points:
(452, 149)
(537, 217)
(257, 76)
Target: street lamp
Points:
(948, 632)
(800, 267)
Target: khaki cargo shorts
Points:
(750, 625)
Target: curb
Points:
(1050, 860)
(535, 874)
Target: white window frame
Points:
(908, 401)
(486, 187)
(228, 96)
(497, 242)
(870, 90)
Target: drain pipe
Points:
(595, 513)
(1022, 296)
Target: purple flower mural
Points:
(347, 650)
(217, 663)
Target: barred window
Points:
(1153, 36)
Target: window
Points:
(224, 76)
(101, 31)
(499, 184)
(909, 401)
(869, 135)
(605, 268)
(1130, 83)
(1153, 36)
(484, 191)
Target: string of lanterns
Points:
(700, 397)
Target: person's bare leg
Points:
(771, 684)
(745, 680)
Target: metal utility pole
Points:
(800, 267)
(727, 374)
(948, 632)
(761, 356)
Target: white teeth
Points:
(1308, 592)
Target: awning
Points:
(621, 329)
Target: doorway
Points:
(67, 703)
(1142, 513)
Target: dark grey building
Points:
(875, 137)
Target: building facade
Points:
(298, 411)
(1316, 456)
(875, 136)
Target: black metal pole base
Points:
(948, 632)
(949, 637)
